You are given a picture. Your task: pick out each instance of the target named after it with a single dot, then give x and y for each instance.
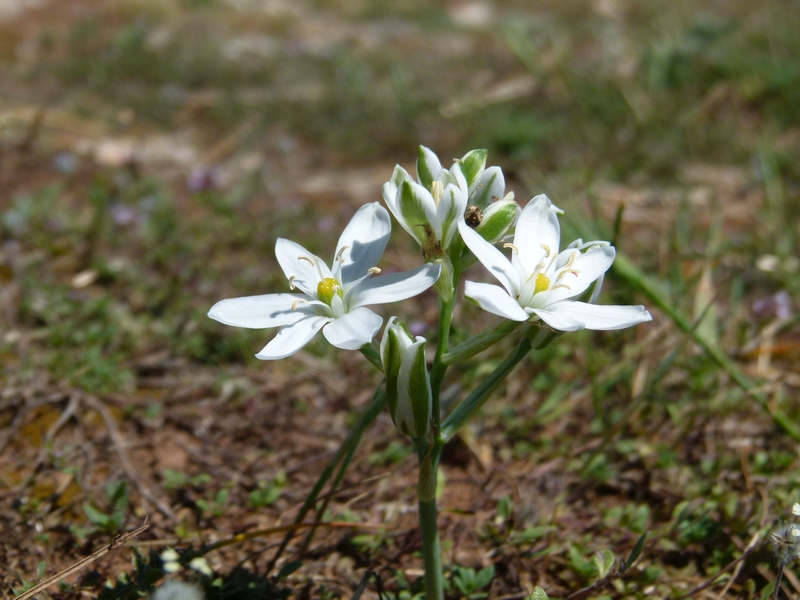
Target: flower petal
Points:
(428, 166)
(451, 208)
(488, 188)
(390, 196)
(418, 210)
(353, 330)
(393, 287)
(558, 319)
(538, 233)
(594, 316)
(494, 299)
(585, 270)
(259, 312)
(491, 258)
(302, 273)
(365, 236)
(292, 338)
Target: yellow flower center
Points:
(327, 288)
(542, 283)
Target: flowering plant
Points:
(456, 215)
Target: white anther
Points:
(512, 246)
(373, 270)
(298, 301)
(310, 260)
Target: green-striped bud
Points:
(498, 219)
(408, 386)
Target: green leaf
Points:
(603, 561)
(538, 594)
(289, 568)
(637, 550)
(97, 518)
(484, 577)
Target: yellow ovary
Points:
(327, 288)
(542, 283)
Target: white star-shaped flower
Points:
(333, 299)
(540, 282)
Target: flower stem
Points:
(479, 343)
(431, 550)
(472, 403)
(439, 367)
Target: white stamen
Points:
(373, 270)
(546, 249)
(291, 282)
(512, 246)
(573, 271)
(298, 301)
(341, 251)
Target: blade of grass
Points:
(654, 291)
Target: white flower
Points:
(333, 299)
(431, 207)
(796, 509)
(541, 282)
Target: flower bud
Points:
(489, 188)
(408, 386)
(498, 219)
(472, 165)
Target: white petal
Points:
(418, 210)
(586, 269)
(302, 273)
(450, 210)
(292, 338)
(490, 257)
(353, 330)
(494, 299)
(594, 316)
(537, 232)
(393, 287)
(560, 320)
(428, 166)
(365, 236)
(488, 188)
(259, 312)
(390, 196)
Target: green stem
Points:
(480, 342)
(472, 403)
(431, 549)
(439, 367)
(372, 355)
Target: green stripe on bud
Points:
(428, 167)
(408, 387)
(498, 219)
(472, 165)
(413, 212)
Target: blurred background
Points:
(152, 152)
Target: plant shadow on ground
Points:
(152, 153)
